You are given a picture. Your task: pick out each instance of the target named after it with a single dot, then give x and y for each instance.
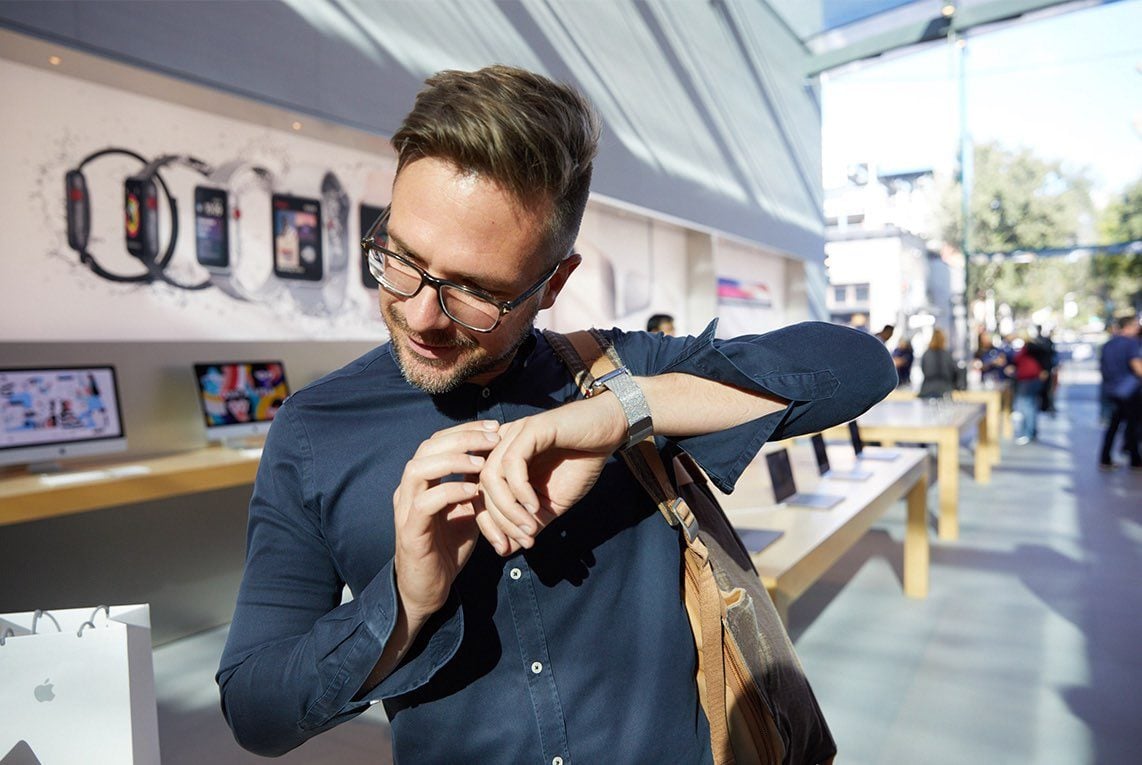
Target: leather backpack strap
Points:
(589, 355)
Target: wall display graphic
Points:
(47, 414)
(77, 207)
(141, 215)
(368, 215)
(109, 237)
(744, 292)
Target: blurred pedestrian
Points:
(661, 322)
(1030, 372)
(902, 357)
(886, 333)
(1121, 367)
(1051, 364)
(990, 360)
(938, 367)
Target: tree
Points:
(1018, 202)
(1120, 275)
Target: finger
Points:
(504, 480)
(521, 529)
(479, 436)
(435, 467)
(513, 469)
(496, 538)
(416, 525)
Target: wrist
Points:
(626, 392)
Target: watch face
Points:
(211, 227)
(297, 238)
(141, 218)
(368, 217)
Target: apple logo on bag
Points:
(44, 692)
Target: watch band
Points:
(78, 205)
(152, 171)
(619, 381)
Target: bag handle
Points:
(584, 348)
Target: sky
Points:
(1069, 87)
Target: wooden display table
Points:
(813, 540)
(929, 422)
(29, 497)
(996, 399)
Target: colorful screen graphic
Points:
(239, 393)
(58, 406)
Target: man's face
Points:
(468, 230)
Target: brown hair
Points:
(534, 137)
(939, 340)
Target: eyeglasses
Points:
(469, 307)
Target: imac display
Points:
(239, 399)
(58, 413)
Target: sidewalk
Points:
(1027, 648)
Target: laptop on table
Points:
(880, 455)
(822, 455)
(785, 489)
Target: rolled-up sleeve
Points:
(295, 659)
(829, 374)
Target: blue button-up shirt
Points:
(577, 650)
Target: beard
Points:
(437, 376)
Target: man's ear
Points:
(569, 264)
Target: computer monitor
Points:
(239, 398)
(58, 413)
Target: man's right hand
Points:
(434, 519)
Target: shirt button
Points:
(536, 667)
(556, 761)
(516, 573)
(486, 392)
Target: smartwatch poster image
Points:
(141, 218)
(297, 238)
(368, 215)
(211, 232)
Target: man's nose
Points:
(422, 311)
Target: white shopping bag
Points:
(78, 685)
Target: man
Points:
(1050, 361)
(516, 594)
(1121, 366)
(661, 322)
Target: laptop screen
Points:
(781, 474)
(820, 453)
(854, 433)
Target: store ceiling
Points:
(711, 111)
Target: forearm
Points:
(687, 405)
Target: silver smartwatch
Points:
(622, 384)
(311, 247)
(218, 228)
